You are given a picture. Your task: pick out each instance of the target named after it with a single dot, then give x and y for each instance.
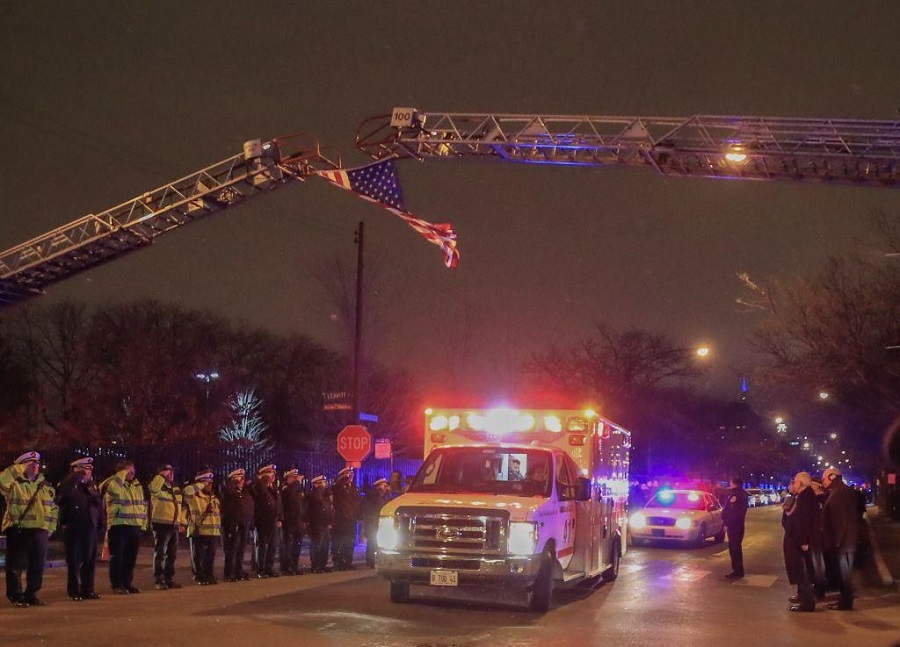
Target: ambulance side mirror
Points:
(582, 489)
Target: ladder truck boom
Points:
(847, 151)
(27, 269)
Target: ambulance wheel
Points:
(399, 592)
(540, 597)
(611, 573)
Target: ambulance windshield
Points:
(486, 470)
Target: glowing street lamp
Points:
(207, 378)
(702, 351)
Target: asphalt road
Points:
(664, 596)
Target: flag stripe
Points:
(379, 183)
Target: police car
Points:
(687, 516)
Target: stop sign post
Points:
(354, 443)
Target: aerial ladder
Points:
(844, 151)
(839, 151)
(27, 269)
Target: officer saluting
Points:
(237, 516)
(81, 518)
(320, 515)
(30, 519)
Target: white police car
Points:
(687, 516)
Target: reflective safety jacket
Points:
(203, 511)
(18, 491)
(125, 502)
(166, 503)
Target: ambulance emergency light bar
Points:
(505, 420)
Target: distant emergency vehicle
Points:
(530, 497)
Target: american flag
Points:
(379, 183)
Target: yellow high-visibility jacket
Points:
(125, 502)
(166, 502)
(204, 512)
(18, 491)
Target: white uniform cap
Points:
(345, 472)
(86, 462)
(235, 473)
(28, 457)
(379, 482)
(318, 479)
(293, 472)
(266, 468)
(830, 474)
(205, 475)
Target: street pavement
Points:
(664, 596)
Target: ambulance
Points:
(530, 498)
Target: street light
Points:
(702, 351)
(206, 378)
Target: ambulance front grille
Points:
(453, 531)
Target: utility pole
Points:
(357, 340)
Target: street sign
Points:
(382, 448)
(354, 443)
(367, 417)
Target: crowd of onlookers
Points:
(271, 513)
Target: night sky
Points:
(100, 102)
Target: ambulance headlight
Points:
(638, 520)
(523, 537)
(388, 536)
(683, 523)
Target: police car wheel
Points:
(399, 592)
(701, 536)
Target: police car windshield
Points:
(485, 470)
(677, 500)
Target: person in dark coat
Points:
(320, 516)
(790, 563)
(237, 517)
(734, 513)
(840, 533)
(268, 518)
(293, 502)
(81, 520)
(802, 536)
(372, 505)
(345, 496)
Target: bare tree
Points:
(614, 367)
(838, 332)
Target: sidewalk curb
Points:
(884, 573)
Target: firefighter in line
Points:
(81, 520)
(293, 501)
(237, 517)
(320, 516)
(204, 526)
(126, 518)
(375, 500)
(29, 520)
(267, 516)
(345, 497)
(167, 520)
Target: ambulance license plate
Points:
(444, 578)
(658, 532)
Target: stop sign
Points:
(354, 443)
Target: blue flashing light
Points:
(665, 496)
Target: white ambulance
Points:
(535, 498)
